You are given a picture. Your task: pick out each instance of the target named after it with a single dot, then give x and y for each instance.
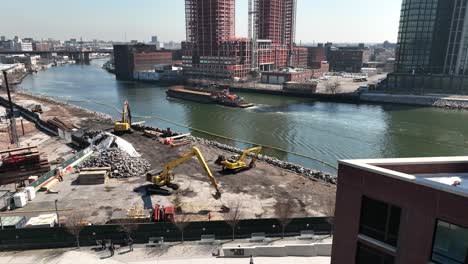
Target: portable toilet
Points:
(30, 193)
(20, 199)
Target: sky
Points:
(124, 20)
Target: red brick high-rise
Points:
(208, 23)
(212, 49)
(276, 21)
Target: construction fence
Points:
(57, 237)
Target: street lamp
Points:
(12, 115)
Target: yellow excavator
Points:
(164, 178)
(124, 125)
(238, 163)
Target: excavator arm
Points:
(164, 178)
(246, 153)
(126, 113)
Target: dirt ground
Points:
(257, 189)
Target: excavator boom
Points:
(164, 178)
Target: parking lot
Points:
(347, 84)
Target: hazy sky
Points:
(317, 20)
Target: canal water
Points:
(323, 130)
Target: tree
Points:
(74, 224)
(181, 222)
(233, 216)
(284, 211)
(328, 205)
(333, 87)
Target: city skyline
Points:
(360, 21)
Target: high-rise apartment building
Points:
(276, 21)
(212, 49)
(433, 37)
(432, 49)
(208, 23)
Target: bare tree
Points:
(233, 216)
(127, 228)
(284, 211)
(333, 87)
(181, 222)
(328, 205)
(74, 224)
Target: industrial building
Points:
(402, 211)
(432, 49)
(212, 50)
(316, 55)
(129, 59)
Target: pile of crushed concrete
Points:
(116, 153)
(122, 164)
(309, 173)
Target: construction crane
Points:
(125, 124)
(237, 163)
(165, 177)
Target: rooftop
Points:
(448, 174)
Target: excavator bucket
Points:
(220, 160)
(217, 195)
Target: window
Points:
(368, 255)
(380, 221)
(450, 244)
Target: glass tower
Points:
(433, 37)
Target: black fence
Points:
(35, 238)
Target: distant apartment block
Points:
(402, 211)
(129, 58)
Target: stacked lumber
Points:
(94, 176)
(60, 124)
(21, 163)
(152, 133)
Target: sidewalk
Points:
(187, 253)
(86, 256)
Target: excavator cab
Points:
(237, 163)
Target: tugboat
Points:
(232, 100)
(223, 97)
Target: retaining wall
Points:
(421, 100)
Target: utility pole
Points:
(14, 133)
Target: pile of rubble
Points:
(121, 163)
(312, 174)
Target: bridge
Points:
(78, 56)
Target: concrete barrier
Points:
(293, 250)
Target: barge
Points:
(209, 97)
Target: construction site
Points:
(75, 160)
